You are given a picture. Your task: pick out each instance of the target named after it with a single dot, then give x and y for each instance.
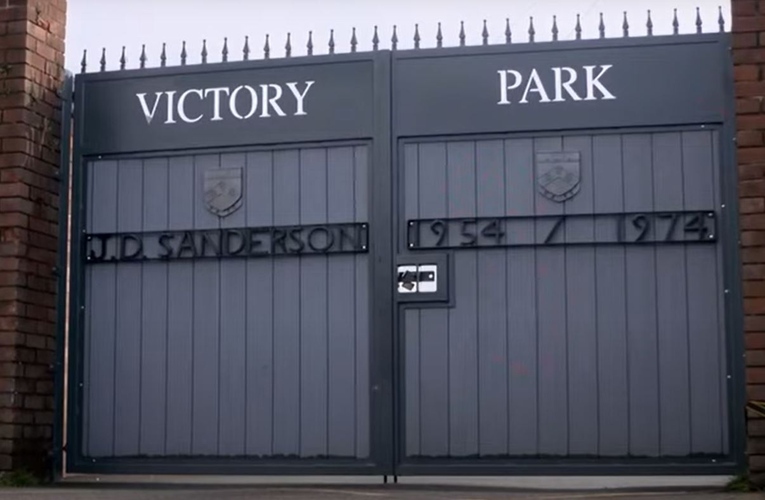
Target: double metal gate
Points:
(515, 259)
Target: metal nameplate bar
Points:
(624, 228)
(228, 243)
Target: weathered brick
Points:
(748, 255)
(743, 8)
(756, 392)
(755, 375)
(746, 105)
(751, 188)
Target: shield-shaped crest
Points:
(558, 174)
(223, 190)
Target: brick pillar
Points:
(31, 73)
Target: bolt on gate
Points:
(511, 258)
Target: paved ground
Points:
(321, 492)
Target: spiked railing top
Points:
(417, 40)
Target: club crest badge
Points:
(223, 190)
(558, 175)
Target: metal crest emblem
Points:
(223, 190)
(559, 174)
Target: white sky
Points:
(93, 24)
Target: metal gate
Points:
(512, 259)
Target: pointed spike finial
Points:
(163, 55)
(123, 59)
(288, 47)
(204, 51)
(720, 19)
(485, 34)
(578, 28)
(602, 27)
(555, 29)
(508, 33)
(267, 48)
(309, 45)
(699, 23)
(331, 41)
(142, 59)
(675, 24)
(649, 24)
(625, 26)
(394, 39)
(375, 40)
(183, 54)
(103, 59)
(354, 40)
(462, 33)
(246, 48)
(224, 52)
(531, 29)
(439, 37)
(416, 36)
(84, 62)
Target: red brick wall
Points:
(31, 73)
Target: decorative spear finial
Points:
(331, 41)
(354, 40)
(531, 29)
(224, 52)
(578, 28)
(267, 48)
(602, 27)
(103, 59)
(508, 33)
(649, 24)
(625, 26)
(555, 29)
(123, 59)
(288, 47)
(163, 55)
(84, 62)
(485, 33)
(675, 24)
(394, 39)
(698, 20)
(142, 59)
(416, 36)
(462, 33)
(309, 45)
(246, 49)
(439, 37)
(721, 20)
(183, 54)
(204, 51)
(375, 40)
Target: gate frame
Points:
(734, 462)
(380, 460)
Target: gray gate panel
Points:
(154, 300)
(101, 395)
(341, 340)
(641, 304)
(492, 315)
(671, 303)
(286, 318)
(581, 312)
(552, 331)
(361, 196)
(206, 337)
(434, 327)
(606, 328)
(260, 311)
(462, 327)
(522, 342)
(313, 310)
(128, 318)
(180, 324)
(232, 394)
(611, 303)
(703, 295)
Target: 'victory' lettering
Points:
(243, 102)
(535, 86)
